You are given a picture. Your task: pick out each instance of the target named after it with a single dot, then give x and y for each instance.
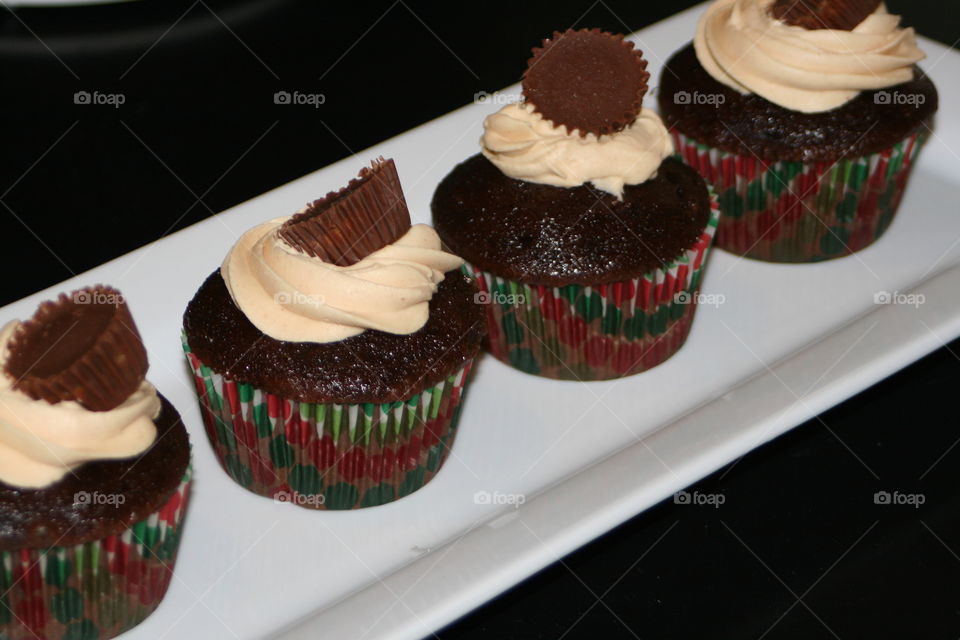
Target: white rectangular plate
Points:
(788, 342)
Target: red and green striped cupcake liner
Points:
(803, 211)
(328, 456)
(95, 590)
(596, 332)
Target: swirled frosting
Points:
(743, 46)
(526, 146)
(291, 296)
(42, 442)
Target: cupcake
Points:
(331, 350)
(94, 473)
(587, 240)
(805, 117)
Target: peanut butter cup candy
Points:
(332, 348)
(805, 116)
(94, 472)
(587, 239)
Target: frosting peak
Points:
(743, 46)
(291, 296)
(41, 442)
(526, 146)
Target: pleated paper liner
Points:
(95, 590)
(328, 456)
(803, 212)
(578, 332)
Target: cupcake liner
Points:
(803, 211)
(597, 332)
(328, 456)
(93, 590)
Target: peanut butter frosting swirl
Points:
(526, 146)
(743, 46)
(294, 297)
(41, 442)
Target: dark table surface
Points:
(799, 549)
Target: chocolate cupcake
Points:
(588, 241)
(331, 350)
(805, 117)
(94, 473)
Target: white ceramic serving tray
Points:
(787, 343)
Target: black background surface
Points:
(797, 550)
